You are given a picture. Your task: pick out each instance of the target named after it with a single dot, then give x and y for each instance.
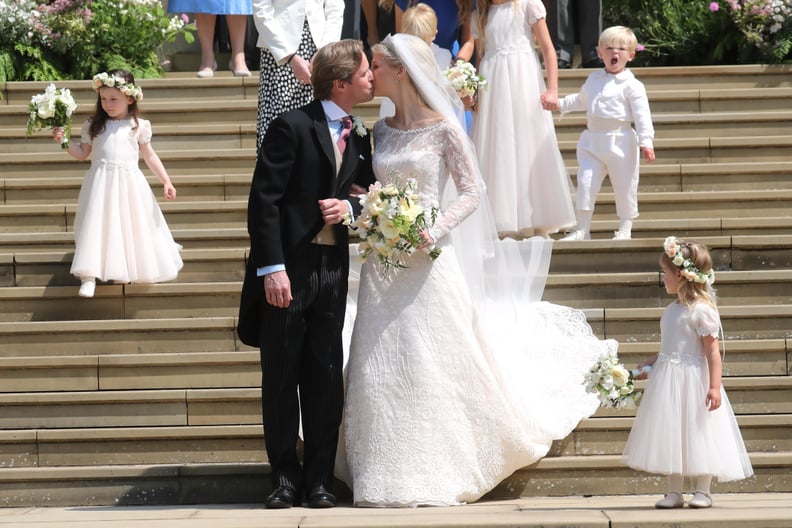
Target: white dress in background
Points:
(674, 432)
(444, 399)
(527, 182)
(120, 232)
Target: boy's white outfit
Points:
(610, 145)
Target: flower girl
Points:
(685, 425)
(119, 231)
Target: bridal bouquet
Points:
(53, 108)
(391, 222)
(612, 383)
(464, 78)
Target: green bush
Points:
(701, 32)
(75, 39)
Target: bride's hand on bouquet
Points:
(427, 242)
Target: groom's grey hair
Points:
(337, 61)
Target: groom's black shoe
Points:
(281, 497)
(321, 497)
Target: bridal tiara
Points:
(112, 81)
(673, 248)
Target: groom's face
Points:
(360, 88)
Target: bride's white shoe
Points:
(87, 288)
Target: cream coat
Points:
(279, 23)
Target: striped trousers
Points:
(302, 363)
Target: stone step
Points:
(670, 151)
(190, 370)
(110, 371)
(66, 189)
(761, 321)
(213, 238)
(52, 268)
(177, 110)
(85, 446)
(768, 433)
(163, 484)
(225, 135)
(119, 336)
(735, 206)
(243, 443)
(121, 301)
(47, 188)
(239, 406)
(733, 252)
(639, 290)
(742, 357)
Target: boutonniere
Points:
(359, 126)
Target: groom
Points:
(294, 295)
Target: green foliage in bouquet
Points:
(73, 39)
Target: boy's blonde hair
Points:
(618, 36)
(420, 20)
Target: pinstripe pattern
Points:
(301, 347)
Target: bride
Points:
(457, 374)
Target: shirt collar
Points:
(332, 111)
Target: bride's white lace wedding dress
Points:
(446, 394)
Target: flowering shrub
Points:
(73, 39)
(767, 24)
(698, 32)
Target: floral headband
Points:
(113, 81)
(673, 248)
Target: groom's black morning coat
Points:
(295, 169)
(301, 345)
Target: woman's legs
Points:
(206, 25)
(237, 25)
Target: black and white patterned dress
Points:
(279, 90)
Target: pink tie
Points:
(344, 135)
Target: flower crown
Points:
(673, 248)
(113, 81)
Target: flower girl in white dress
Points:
(120, 233)
(685, 425)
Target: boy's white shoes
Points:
(87, 288)
(578, 234)
(700, 500)
(672, 500)
(622, 235)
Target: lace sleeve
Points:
(705, 319)
(463, 169)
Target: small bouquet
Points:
(54, 109)
(612, 383)
(464, 79)
(391, 222)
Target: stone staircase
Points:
(144, 394)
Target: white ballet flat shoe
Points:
(206, 73)
(238, 73)
(578, 234)
(87, 288)
(700, 500)
(622, 235)
(672, 500)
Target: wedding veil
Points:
(506, 274)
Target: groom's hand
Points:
(333, 210)
(277, 289)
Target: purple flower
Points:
(714, 6)
(185, 18)
(639, 47)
